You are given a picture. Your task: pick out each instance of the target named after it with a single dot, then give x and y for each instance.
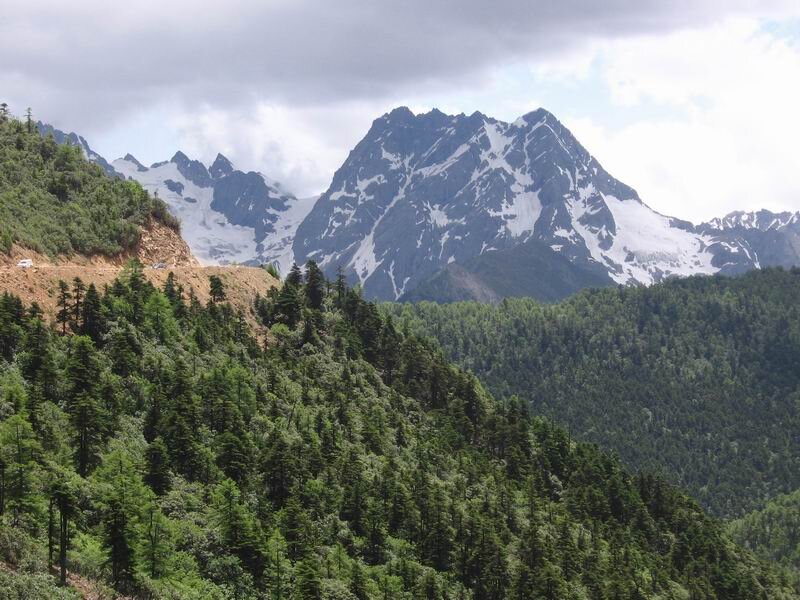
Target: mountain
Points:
(752, 239)
(422, 192)
(697, 378)
(153, 446)
(435, 206)
(528, 269)
(766, 238)
(54, 202)
(227, 215)
(76, 140)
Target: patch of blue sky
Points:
(786, 29)
(515, 90)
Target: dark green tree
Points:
(315, 285)
(157, 475)
(65, 311)
(217, 289)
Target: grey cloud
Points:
(93, 60)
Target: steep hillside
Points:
(696, 378)
(71, 220)
(773, 533)
(54, 201)
(344, 460)
(528, 269)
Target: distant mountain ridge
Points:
(421, 192)
(73, 138)
(447, 207)
(227, 215)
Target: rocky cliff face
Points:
(420, 192)
(227, 215)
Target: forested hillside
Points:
(52, 200)
(773, 532)
(696, 378)
(159, 448)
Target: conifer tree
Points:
(315, 285)
(83, 375)
(64, 308)
(157, 474)
(93, 324)
(78, 291)
(288, 306)
(295, 276)
(64, 495)
(309, 581)
(217, 289)
(118, 534)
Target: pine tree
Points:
(315, 285)
(93, 324)
(171, 288)
(18, 452)
(117, 528)
(181, 426)
(78, 292)
(238, 527)
(309, 581)
(157, 548)
(296, 530)
(217, 289)
(63, 494)
(83, 375)
(157, 475)
(295, 276)
(358, 582)
(64, 308)
(288, 306)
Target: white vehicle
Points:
(25, 263)
(160, 265)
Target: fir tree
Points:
(65, 311)
(93, 324)
(78, 291)
(217, 289)
(315, 286)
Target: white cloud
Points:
(729, 124)
(709, 119)
(299, 146)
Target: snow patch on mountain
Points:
(466, 185)
(762, 220)
(227, 216)
(211, 237)
(646, 246)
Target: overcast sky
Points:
(694, 103)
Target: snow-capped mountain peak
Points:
(221, 167)
(763, 220)
(227, 215)
(427, 204)
(466, 185)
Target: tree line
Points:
(164, 448)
